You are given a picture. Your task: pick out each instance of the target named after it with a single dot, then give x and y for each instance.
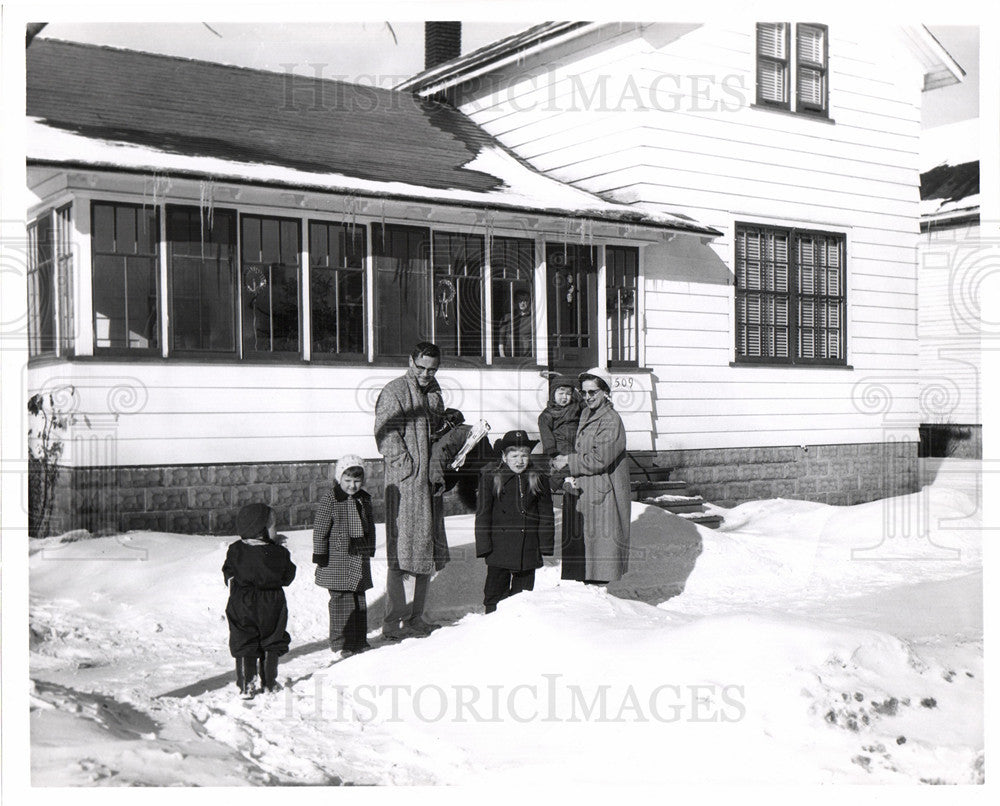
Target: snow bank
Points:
(787, 659)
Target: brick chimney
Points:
(442, 42)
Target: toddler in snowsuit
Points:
(557, 426)
(256, 569)
(343, 543)
(514, 524)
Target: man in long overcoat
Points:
(406, 413)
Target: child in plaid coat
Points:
(343, 543)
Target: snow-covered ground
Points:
(812, 644)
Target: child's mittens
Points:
(321, 560)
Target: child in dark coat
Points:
(513, 521)
(557, 425)
(343, 543)
(256, 569)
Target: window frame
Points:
(156, 349)
(271, 355)
(792, 63)
(794, 297)
(354, 231)
(40, 343)
(191, 352)
(622, 363)
(529, 244)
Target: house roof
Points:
(119, 109)
(939, 68)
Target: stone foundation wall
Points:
(831, 474)
(204, 499)
(196, 499)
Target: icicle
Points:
(383, 225)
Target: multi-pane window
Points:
(402, 287)
(512, 269)
(789, 296)
(269, 285)
(458, 293)
(64, 278)
(337, 288)
(201, 256)
(569, 311)
(793, 78)
(41, 287)
(125, 278)
(622, 301)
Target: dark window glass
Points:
(337, 287)
(41, 287)
(458, 293)
(125, 277)
(269, 285)
(402, 287)
(512, 269)
(623, 319)
(64, 279)
(789, 296)
(569, 265)
(201, 255)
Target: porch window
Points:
(41, 287)
(201, 255)
(64, 279)
(622, 299)
(402, 287)
(458, 293)
(790, 304)
(337, 288)
(512, 266)
(793, 78)
(125, 277)
(269, 285)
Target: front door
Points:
(571, 289)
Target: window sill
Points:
(785, 365)
(818, 117)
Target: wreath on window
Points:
(443, 295)
(255, 279)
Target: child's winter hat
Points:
(516, 439)
(253, 519)
(556, 381)
(345, 463)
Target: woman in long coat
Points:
(601, 470)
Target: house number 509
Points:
(622, 383)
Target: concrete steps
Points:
(652, 485)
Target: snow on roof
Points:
(105, 108)
(949, 164)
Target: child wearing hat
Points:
(557, 425)
(256, 569)
(343, 543)
(514, 523)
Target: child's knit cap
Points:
(252, 520)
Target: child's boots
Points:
(246, 677)
(269, 671)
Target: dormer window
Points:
(793, 78)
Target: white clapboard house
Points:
(226, 264)
(953, 261)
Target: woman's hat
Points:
(253, 520)
(516, 439)
(599, 374)
(345, 463)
